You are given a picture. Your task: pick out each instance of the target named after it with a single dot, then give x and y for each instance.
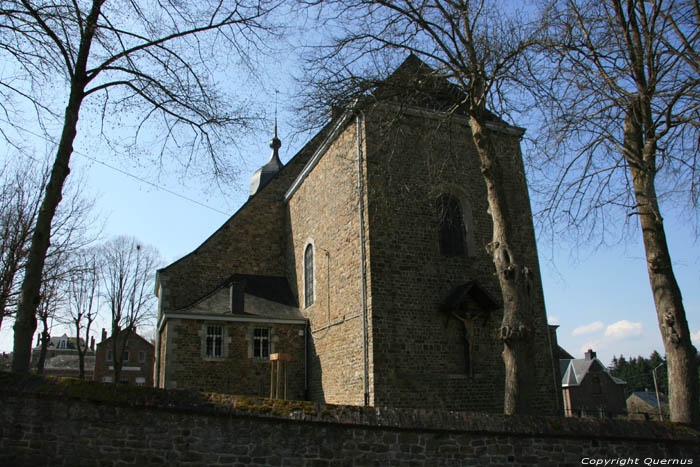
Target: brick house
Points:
(363, 258)
(137, 360)
(589, 389)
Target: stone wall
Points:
(61, 423)
(238, 372)
(419, 359)
(323, 212)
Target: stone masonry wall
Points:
(66, 424)
(419, 357)
(323, 212)
(238, 372)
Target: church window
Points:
(309, 275)
(261, 343)
(451, 229)
(215, 342)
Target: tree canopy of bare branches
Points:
(152, 59)
(128, 275)
(478, 46)
(620, 85)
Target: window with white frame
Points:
(214, 342)
(107, 379)
(261, 343)
(140, 381)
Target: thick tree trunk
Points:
(680, 353)
(25, 321)
(515, 280)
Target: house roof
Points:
(70, 342)
(273, 288)
(131, 335)
(650, 398)
(573, 371)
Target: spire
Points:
(265, 173)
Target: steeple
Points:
(265, 173)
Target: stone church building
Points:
(362, 260)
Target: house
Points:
(589, 389)
(363, 260)
(137, 359)
(644, 405)
(62, 357)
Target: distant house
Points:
(62, 357)
(137, 360)
(588, 389)
(643, 405)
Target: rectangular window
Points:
(140, 381)
(142, 356)
(126, 356)
(215, 342)
(261, 343)
(107, 379)
(109, 355)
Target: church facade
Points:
(363, 262)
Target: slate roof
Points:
(473, 290)
(650, 398)
(573, 371)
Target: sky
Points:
(599, 297)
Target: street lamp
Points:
(656, 386)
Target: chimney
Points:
(92, 343)
(590, 355)
(104, 335)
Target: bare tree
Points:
(478, 47)
(620, 83)
(19, 204)
(151, 59)
(52, 298)
(83, 297)
(128, 274)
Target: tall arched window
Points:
(452, 233)
(309, 275)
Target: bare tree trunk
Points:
(81, 352)
(515, 281)
(45, 338)
(680, 352)
(25, 321)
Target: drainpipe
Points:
(360, 204)
(307, 331)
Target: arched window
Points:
(309, 275)
(452, 233)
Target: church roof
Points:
(265, 173)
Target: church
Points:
(362, 264)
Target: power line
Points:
(117, 169)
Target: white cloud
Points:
(623, 330)
(590, 328)
(695, 336)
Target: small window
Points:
(309, 275)
(215, 342)
(124, 380)
(451, 230)
(62, 345)
(142, 356)
(109, 355)
(261, 343)
(126, 356)
(107, 379)
(140, 381)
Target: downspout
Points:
(365, 379)
(307, 331)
